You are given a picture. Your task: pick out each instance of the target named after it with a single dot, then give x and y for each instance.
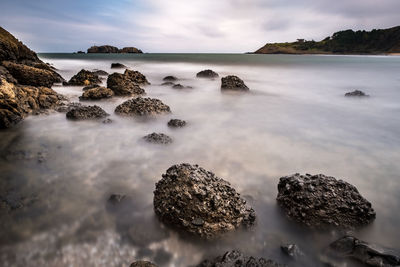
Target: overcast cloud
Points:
(187, 26)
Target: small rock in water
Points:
(292, 250)
(107, 121)
(180, 86)
(142, 264)
(86, 112)
(168, 84)
(158, 138)
(142, 107)
(116, 198)
(96, 93)
(170, 78)
(65, 107)
(176, 123)
(100, 72)
(117, 66)
(207, 74)
(356, 93)
(234, 83)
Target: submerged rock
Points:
(176, 123)
(84, 77)
(292, 250)
(321, 201)
(168, 84)
(136, 77)
(118, 66)
(356, 93)
(207, 74)
(180, 86)
(195, 200)
(236, 258)
(116, 198)
(67, 106)
(170, 78)
(142, 264)
(100, 72)
(232, 82)
(96, 93)
(86, 112)
(123, 86)
(158, 138)
(142, 106)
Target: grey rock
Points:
(207, 74)
(356, 93)
(234, 83)
(176, 123)
(170, 79)
(142, 106)
(292, 250)
(86, 112)
(158, 138)
(168, 84)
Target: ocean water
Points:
(294, 119)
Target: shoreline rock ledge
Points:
(323, 202)
(195, 200)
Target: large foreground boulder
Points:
(96, 93)
(197, 201)
(234, 83)
(136, 77)
(17, 101)
(368, 254)
(207, 74)
(236, 258)
(320, 201)
(86, 113)
(142, 106)
(122, 85)
(84, 77)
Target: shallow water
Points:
(295, 119)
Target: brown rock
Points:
(136, 77)
(123, 86)
(96, 93)
(84, 77)
(130, 50)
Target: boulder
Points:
(28, 75)
(90, 87)
(158, 138)
(356, 93)
(86, 112)
(132, 50)
(84, 77)
(234, 83)
(195, 200)
(136, 77)
(176, 123)
(5, 74)
(118, 66)
(96, 93)
(142, 106)
(170, 79)
(236, 258)
(368, 254)
(168, 84)
(320, 201)
(123, 86)
(103, 49)
(180, 86)
(100, 72)
(207, 74)
(142, 264)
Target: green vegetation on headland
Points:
(383, 41)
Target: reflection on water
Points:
(57, 175)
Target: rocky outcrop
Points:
(84, 77)
(136, 77)
(142, 264)
(356, 93)
(17, 101)
(368, 254)
(96, 93)
(28, 75)
(234, 83)
(320, 201)
(170, 79)
(236, 258)
(175, 123)
(180, 86)
(100, 72)
(131, 50)
(13, 50)
(123, 86)
(142, 106)
(86, 113)
(158, 138)
(103, 49)
(207, 74)
(195, 200)
(118, 66)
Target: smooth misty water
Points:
(295, 119)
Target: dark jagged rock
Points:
(170, 79)
(96, 93)
(158, 138)
(136, 77)
(118, 66)
(142, 264)
(84, 77)
(131, 50)
(142, 106)
(28, 75)
(123, 86)
(356, 93)
(103, 49)
(197, 201)
(86, 113)
(80, 52)
(236, 258)
(67, 106)
(232, 82)
(368, 254)
(180, 86)
(168, 84)
(207, 74)
(292, 250)
(320, 201)
(4, 73)
(17, 101)
(176, 123)
(100, 72)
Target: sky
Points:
(204, 26)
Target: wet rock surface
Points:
(142, 106)
(175, 123)
(158, 138)
(207, 74)
(170, 78)
(292, 250)
(195, 200)
(136, 77)
(86, 112)
(234, 83)
(121, 85)
(236, 258)
(84, 77)
(142, 264)
(369, 254)
(118, 66)
(100, 72)
(96, 93)
(320, 201)
(356, 93)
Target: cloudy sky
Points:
(187, 25)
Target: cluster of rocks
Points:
(170, 81)
(112, 49)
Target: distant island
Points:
(382, 41)
(112, 49)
